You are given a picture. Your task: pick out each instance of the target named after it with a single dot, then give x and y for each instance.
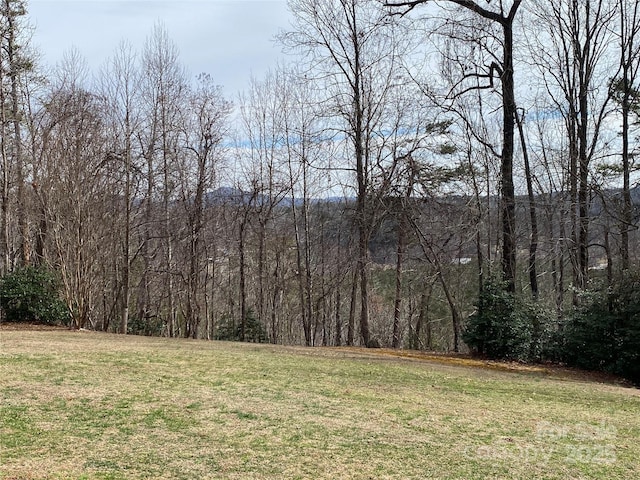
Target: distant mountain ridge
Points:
(236, 196)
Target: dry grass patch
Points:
(86, 405)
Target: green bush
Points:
(31, 294)
(504, 326)
(150, 326)
(253, 329)
(604, 333)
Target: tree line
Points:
(368, 193)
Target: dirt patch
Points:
(464, 360)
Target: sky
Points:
(229, 39)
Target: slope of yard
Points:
(82, 405)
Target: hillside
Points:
(92, 405)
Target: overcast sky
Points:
(229, 39)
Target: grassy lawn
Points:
(85, 405)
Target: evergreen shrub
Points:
(505, 326)
(31, 294)
(604, 332)
(229, 330)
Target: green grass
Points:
(96, 406)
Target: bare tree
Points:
(352, 46)
(120, 91)
(503, 14)
(14, 63)
(74, 186)
(304, 150)
(164, 88)
(572, 44)
(626, 93)
(204, 131)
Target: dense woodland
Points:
(411, 156)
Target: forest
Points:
(450, 176)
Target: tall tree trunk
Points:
(533, 217)
(4, 238)
(627, 205)
(167, 235)
(363, 254)
(397, 304)
(24, 250)
(126, 260)
(573, 201)
(352, 310)
(262, 234)
(243, 285)
(506, 170)
(629, 12)
(583, 189)
(338, 319)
